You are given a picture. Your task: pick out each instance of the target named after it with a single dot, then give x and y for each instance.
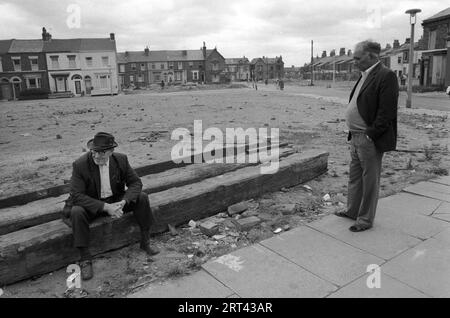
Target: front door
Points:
(88, 84)
(16, 87)
(6, 93)
(77, 87)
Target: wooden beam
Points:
(153, 168)
(48, 247)
(41, 211)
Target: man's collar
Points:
(366, 72)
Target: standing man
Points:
(371, 117)
(97, 188)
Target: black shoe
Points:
(343, 215)
(87, 272)
(145, 246)
(358, 228)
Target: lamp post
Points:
(412, 21)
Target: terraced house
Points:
(143, 68)
(22, 66)
(267, 68)
(237, 69)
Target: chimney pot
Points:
(112, 36)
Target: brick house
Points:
(143, 68)
(435, 56)
(267, 68)
(237, 69)
(22, 66)
(293, 72)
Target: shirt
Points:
(353, 118)
(105, 183)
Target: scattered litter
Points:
(286, 227)
(192, 224)
(219, 237)
(326, 197)
(190, 256)
(307, 187)
(430, 126)
(278, 230)
(42, 158)
(26, 135)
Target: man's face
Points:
(101, 157)
(363, 60)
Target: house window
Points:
(191, 64)
(153, 66)
(215, 66)
(195, 75)
(34, 63)
(133, 66)
(178, 76)
(131, 79)
(72, 63)
(105, 61)
(122, 68)
(103, 81)
(140, 78)
(142, 66)
(180, 65)
(399, 60)
(89, 61)
(162, 66)
(171, 65)
(16, 63)
(33, 82)
(157, 77)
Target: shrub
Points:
(34, 93)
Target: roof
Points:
(66, 45)
(237, 60)
(4, 46)
(442, 14)
(97, 44)
(26, 46)
(266, 60)
(161, 56)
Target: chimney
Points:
(204, 50)
(184, 52)
(396, 44)
(349, 52)
(388, 46)
(333, 53)
(112, 36)
(342, 51)
(45, 35)
(324, 54)
(407, 40)
(126, 53)
(147, 51)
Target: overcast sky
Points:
(236, 27)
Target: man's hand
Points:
(114, 209)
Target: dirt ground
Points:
(40, 139)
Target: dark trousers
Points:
(364, 180)
(81, 219)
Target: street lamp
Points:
(412, 21)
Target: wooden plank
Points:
(47, 247)
(157, 167)
(41, 211)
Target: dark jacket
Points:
(377, 105)
(85, 183)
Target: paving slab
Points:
(424, 267)
(321, 254)
(442, 180)
(197, 285)
(389, 288)
(420, 226)
(444, 237)
(431, 190)
(379, 241)
(256, 271)
(410, 203)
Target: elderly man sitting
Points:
(97, 188)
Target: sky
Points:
(251, 28)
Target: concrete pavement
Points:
(405, 254)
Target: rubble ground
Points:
(33, 157)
